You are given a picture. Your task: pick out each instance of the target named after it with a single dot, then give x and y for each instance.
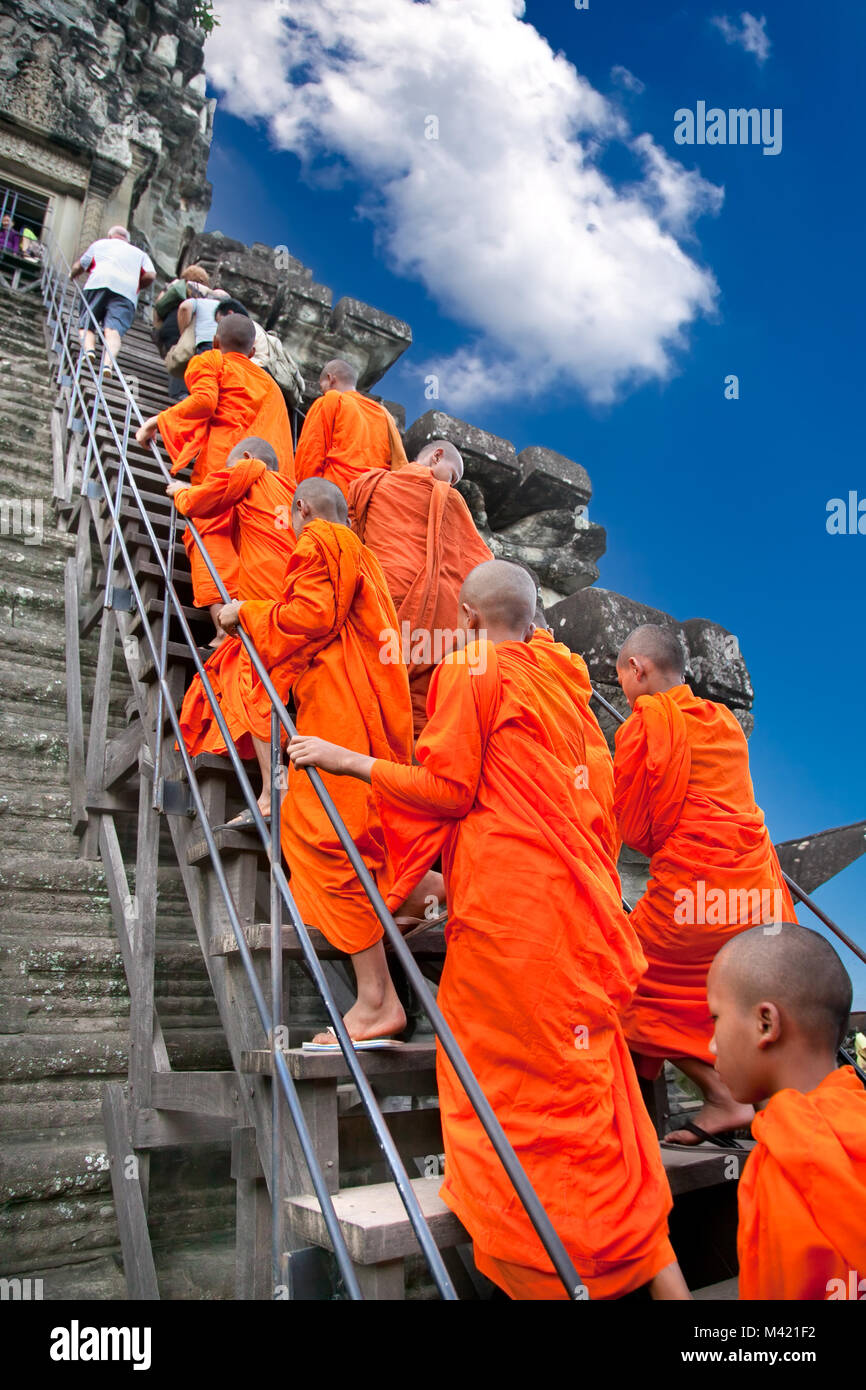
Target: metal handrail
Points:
(555, 1249)
(795, 888)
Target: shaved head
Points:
(258, 449)
(236, 333)
(503, 597)
(324, 500)
(443, 457)
(657, 645)
(339, 374)
(796, 969)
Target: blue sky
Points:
(714, 508)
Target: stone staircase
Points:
(63, 997)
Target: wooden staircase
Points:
(112, 774)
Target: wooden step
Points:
(374, 1223)
(428, 943)
(690, 1169)
(227, 842)
(325, 1066)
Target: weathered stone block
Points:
(596, 622)
(716, 663)
(548, 481)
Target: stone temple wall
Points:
(106, 101)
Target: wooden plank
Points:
(143, 1059)
(321, 1066)
(171, 1129)
(99, 706)
(374, 1221)
(128, 1197)
(58, 454)
(121, 754)
(74, 710)
(197, 1092)
(227, 842)
(689, 1169)
(253, 1253)
(124, 913)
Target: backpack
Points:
(280, 364)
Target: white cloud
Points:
(751, 34)
(562, 277)
(627, 79)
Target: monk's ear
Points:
(768, 1023)
(529, 633)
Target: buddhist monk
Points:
(422, 533)
(684, 797)
(540, 955)
(597, 771)
(229, 397)
(321, 640)
(346, 434)
(258, 499)
(780, 1000)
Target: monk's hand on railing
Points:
(229, 616)
(144, 434)
(174, 487)
(329, 757)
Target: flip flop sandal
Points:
(425, 926)
(723, 1140)
(242, 822)
(366, 1045)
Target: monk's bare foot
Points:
(362, 1025)
(715, 1118)
(218, 639)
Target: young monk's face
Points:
(740, 1062)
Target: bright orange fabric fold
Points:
(258, 505)
(802, 1233)
(540, 960)
(230, 397)
(422, 533)
(324, 642)
(344, 435)
(684, 797)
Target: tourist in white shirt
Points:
(118, 270)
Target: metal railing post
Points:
(278, 1030)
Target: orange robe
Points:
(597, 771)
(801, 1195)
(344, 435)
(540, 960)
(422, 533)
(230, 398)
(258, 503)
(323, 641)
(684, 797)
